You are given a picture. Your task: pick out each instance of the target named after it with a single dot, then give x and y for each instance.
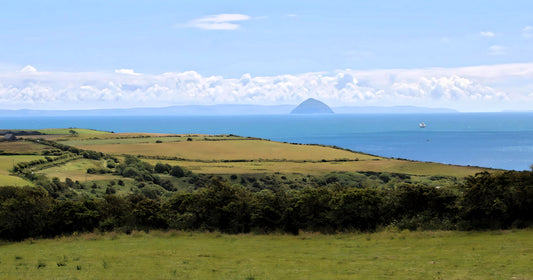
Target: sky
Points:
(464, 55)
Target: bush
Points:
(177, 171)
(162, 168)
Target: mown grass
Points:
(6, 166)
(11, 180)
(181, 255)
(231, 150)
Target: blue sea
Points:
(497, 140)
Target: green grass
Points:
(6, 165)
(321, 168)
(11, 180)
(77, 171)
(179, 255)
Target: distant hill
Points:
(180, 110)
(312, 106)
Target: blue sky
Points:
(95, 54)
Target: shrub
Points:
(177, 171)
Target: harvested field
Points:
(23, 147)
(231, 150)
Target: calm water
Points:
(499, 140)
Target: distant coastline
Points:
(212, 110)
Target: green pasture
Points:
(77, 171)
(6, 165)
(321, 168)
(183, 255)
(12, 180)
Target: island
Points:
(312, 106)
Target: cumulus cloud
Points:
(218, 22)
(28, 69)
(126, 71)
(497, 50)
(487, 34)
(468, 88)
(527, 32)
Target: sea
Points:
(496, 140)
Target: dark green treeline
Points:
(484, 201)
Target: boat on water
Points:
(422, 125)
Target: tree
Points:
(73, 132)
(162, 168)
(177, 171)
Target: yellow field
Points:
(230, 150)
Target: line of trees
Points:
(485, 201)
(84, 153)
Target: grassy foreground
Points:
(182, 255)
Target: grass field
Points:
(181, 255)
(6, 164)
(230, 150)
(22, 147)
(267, 156)
(77, 171)
(320, 168)
(210, 155)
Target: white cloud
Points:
(218, 22)
(126, 71)
(497, 50)
(28, 69)
(527, 32)
(487, 34)
(469, 88)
